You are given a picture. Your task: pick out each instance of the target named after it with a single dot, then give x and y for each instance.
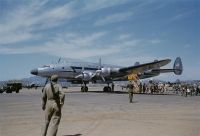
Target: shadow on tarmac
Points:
(122, 92)
(74, 135)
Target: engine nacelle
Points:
(105, 71)
(87, 75)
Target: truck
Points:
(11, 87)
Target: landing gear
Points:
(84, 88)
(107, 89)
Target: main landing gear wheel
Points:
(107, 89)
(84, 89)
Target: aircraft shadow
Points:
(74, 135)
(115, 92)
(135, 102)
(122, 92)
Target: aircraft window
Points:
(46, 66)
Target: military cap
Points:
(54, 78)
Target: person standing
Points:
(186, 91)
(130, 91)
(140, 88)
(113, 87)
(198, 90)
(144, 88)
(52, 102)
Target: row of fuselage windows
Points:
(78, 68)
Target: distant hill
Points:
(39, 81)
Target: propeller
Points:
(84, 75)
(101, 73)
(98, 73)
(59, 60)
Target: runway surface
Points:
(102, 114)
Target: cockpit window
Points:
(46, 66)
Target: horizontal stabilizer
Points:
(177, 68)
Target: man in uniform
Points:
(140, 88)
(130, 91)
(113, 87)
(144, 88)
(52, 102)
(198, 89)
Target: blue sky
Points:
(121, 32)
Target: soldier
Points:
(198, 90)
(113, 87)
(186, 91)
(52, 102)
(183, 90)
(130, 91)
(144, 88)
(152, 88)
(140, 88)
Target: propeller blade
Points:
(59, 60)
(97, 73)
(103, 78)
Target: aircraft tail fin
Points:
(178, 66)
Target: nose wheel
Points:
(84, 89)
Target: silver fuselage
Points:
(69, 70)
(85, 71)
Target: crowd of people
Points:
(187, 89)
(183, 89)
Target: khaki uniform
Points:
(130, 92)
(52, 101)
(132, 88)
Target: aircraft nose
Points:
(34, 71)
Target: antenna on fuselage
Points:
(99, 67)
(59, 60)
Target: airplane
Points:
(83, 73)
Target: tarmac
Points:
(102, 114)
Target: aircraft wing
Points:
(144, 67)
